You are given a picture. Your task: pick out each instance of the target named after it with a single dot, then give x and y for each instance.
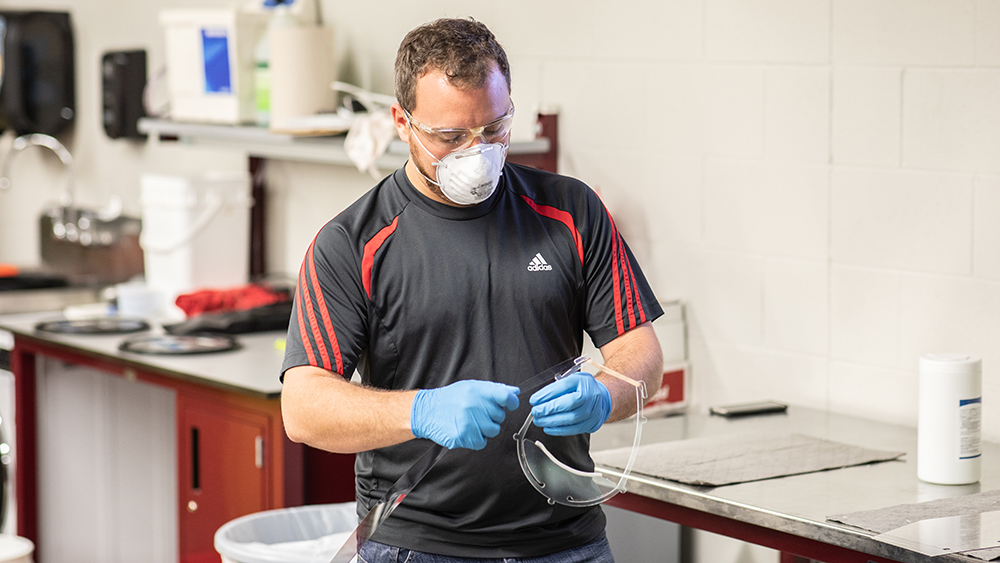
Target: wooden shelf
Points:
(259, 142)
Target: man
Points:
(455, 279)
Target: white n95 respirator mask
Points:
(469, 176)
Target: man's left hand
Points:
(575, 404)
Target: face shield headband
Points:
(561, 482)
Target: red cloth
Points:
(233, 299)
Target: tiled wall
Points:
(818, 179)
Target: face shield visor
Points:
(574, 483)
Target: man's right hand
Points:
(463, 414)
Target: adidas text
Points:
(538, 264)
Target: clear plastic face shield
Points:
(562, 481)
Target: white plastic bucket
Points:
(195, 232)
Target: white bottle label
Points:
(970, 415)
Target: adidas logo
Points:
(538, 264)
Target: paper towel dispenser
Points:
(38, 93)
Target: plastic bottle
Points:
(262, 81)
(949, 450)
(283, 13)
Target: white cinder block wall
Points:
(818, 179)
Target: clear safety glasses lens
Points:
(561, 480)
(453, 139)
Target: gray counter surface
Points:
(252, 369)
(800, 504)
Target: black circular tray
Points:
(100, 325)
(179, 345)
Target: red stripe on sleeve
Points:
(303, 333)
(325, 314)
(619, 321)
(311, 311)
(638, 299)
(627, 276)
(562, 216)
(368, 258)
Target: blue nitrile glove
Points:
(575, 404)
(463, 414)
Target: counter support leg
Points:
(26, 454)
(782, 541)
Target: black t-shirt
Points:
(416, 294)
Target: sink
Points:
(49, 299)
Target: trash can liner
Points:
(305, 534)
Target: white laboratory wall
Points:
(103, 167)
(818, 179)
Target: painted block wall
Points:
(818, 179)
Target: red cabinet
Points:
(233, 457)
(224, 470)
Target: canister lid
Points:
(950, 363)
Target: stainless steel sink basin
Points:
(53, 299)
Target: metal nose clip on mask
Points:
(468, 176)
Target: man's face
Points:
(439, 104)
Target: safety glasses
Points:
(568, 482)
(457, 138)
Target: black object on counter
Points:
(177, 345)
(32, 281)
(101, 325)
(258, 319)
(748, 409)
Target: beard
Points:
(425, 173)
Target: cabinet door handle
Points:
(195, 461)
(258, 445)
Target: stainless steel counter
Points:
(774, 511)
(253, 369)
(798, 506)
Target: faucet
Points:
(51, 143)
(68, 222)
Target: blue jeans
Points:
(597, 551)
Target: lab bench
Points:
(790, 513)
(227, 410)
(232, 455)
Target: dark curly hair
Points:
(464, 49)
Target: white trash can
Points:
(304, 534)
(15, 549)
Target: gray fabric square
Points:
(738, 458)
(890, 518)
